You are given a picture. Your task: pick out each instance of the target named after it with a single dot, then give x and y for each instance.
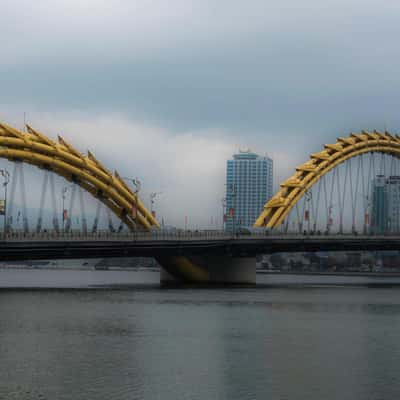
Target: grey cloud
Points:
(282, 77)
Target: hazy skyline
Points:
(167, 91)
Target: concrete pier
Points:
(222, 270)
(226, 270)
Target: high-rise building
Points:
(249, 179)
(385, 205)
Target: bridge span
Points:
(226, 259)
(67, 246)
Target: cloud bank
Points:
(167, 91)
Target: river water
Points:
(143, 342)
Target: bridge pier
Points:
(234, 271)
(221, 271)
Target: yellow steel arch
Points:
(35, 148)
(276, 209)
(86, 171)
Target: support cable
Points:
(96, 217)
(110, 223)
(298, 217)
(121, 226)
(382, 165)
(364, 196)
(346, 174)
(83, 214)
(326, 202)
(303, 209)
(68, 225)
(339, 199)
(371, 168)
(354, 195)
(287, 224)
(331, 200)
(42, 200)
(312, 212)
(317, 205)
(23, 195)
(12, 196)
(56, 225)
(392, 165)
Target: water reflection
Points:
(197, 344)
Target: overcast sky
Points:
(168, 90)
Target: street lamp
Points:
(223, 203)
(63, 194)
(367, 212)
(152, 197)
(308, 196)
(137, 185)
(233, 192)
(6, 175)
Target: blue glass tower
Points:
(249, 180)
(385, 205)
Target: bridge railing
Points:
(106, 235)
(161, 235)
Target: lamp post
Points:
(223, 203)
(367, 213)
(6, 175)
(63, 194)
(137, 185)
(329, 219)
(153, 195)
(233, 198)
(308, 196)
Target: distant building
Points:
(385, 205)
(249, 179)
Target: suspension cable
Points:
(331, 198)
(110, 222)
(42, 201)
(83, 214)
(68, 225)
(12, 196)
(326, 202)
(346, 174)
(298, 217)
(354, 194)
(23, 195)
(371, 168)
(96, 217)
(53, 202)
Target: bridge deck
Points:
(42, 246)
